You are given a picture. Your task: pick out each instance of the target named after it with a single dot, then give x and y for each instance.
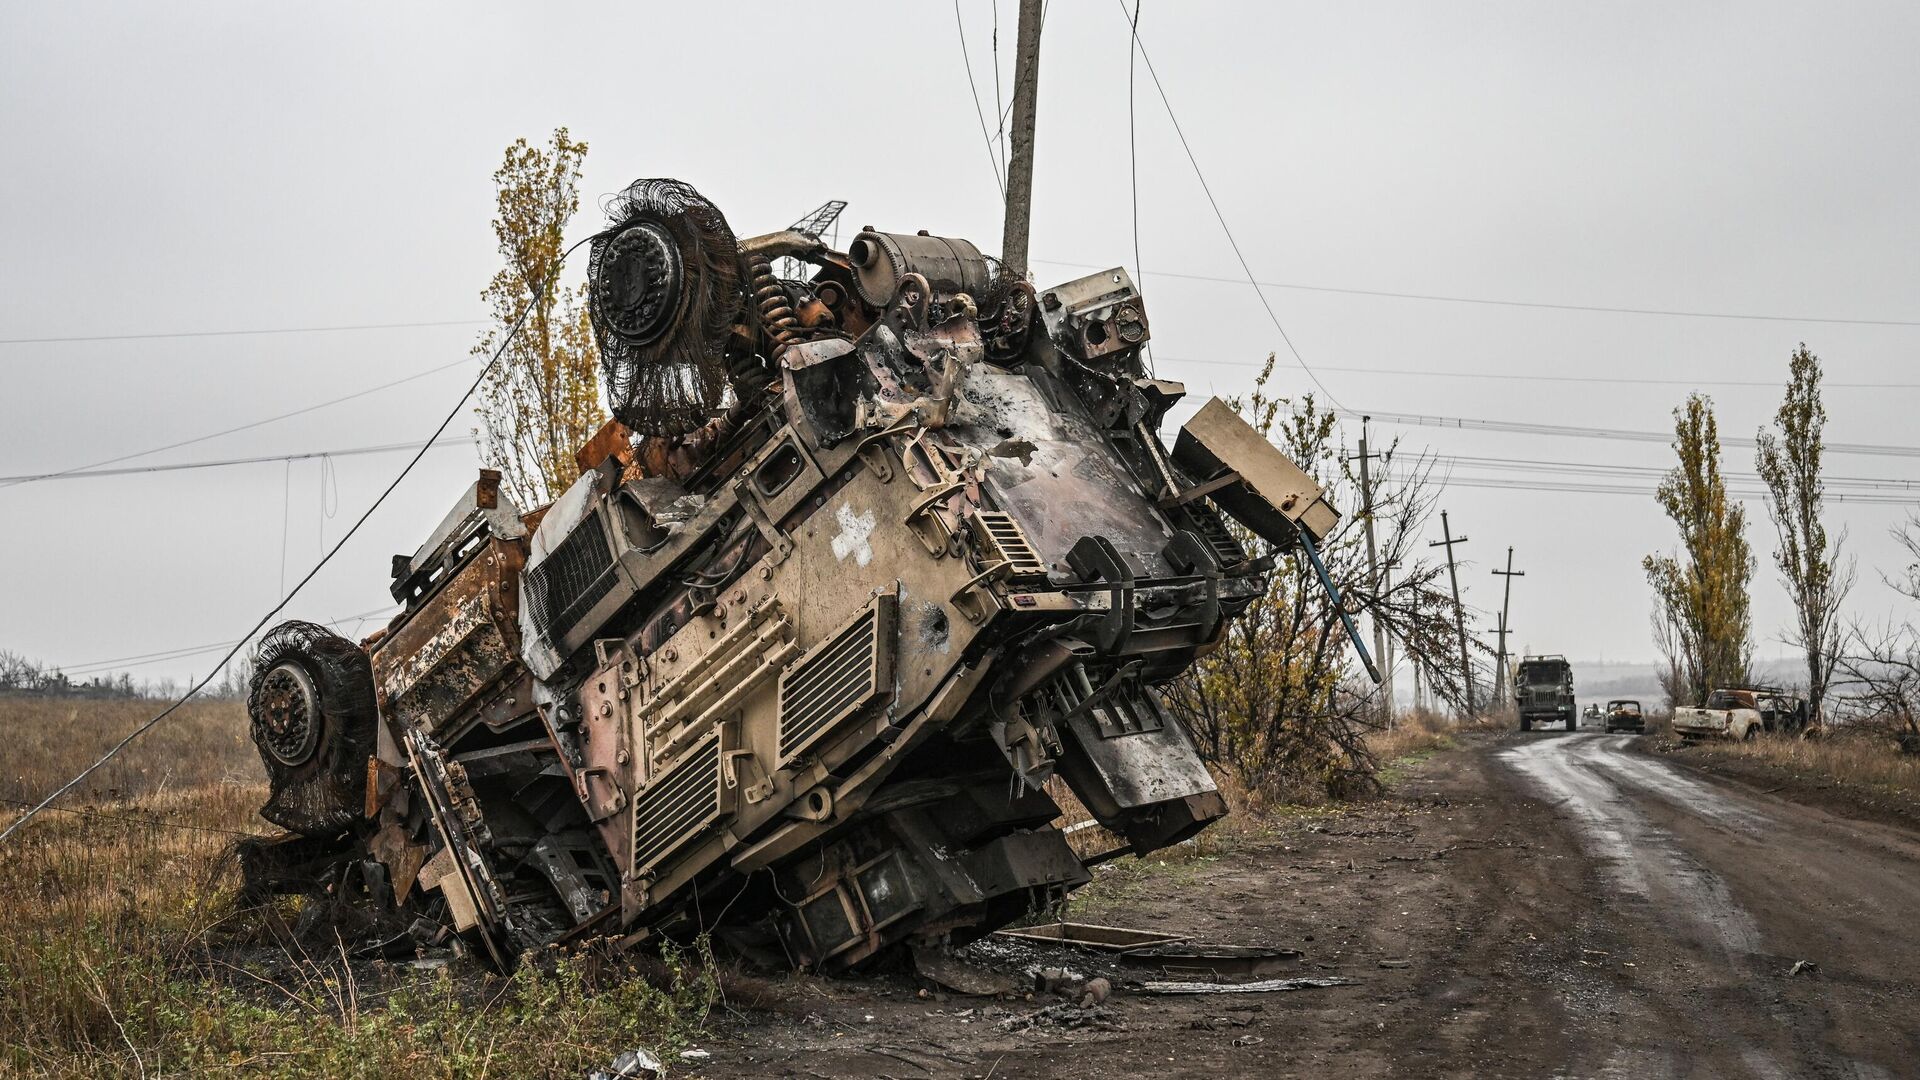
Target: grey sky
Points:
(222, 166)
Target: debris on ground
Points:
(1264, 986)
(944, 969)
(1066, 1015)
(1095, 992)
(632, 1065)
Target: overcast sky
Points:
(248, 166)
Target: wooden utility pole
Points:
(1373, 573)
(1026, 90)
(1459, 612)
(1506, 599)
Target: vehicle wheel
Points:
(311, 703)
(1526, 724)
(1753, 732)
(1573, 723)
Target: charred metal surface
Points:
(793, 672)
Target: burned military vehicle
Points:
(864, 559)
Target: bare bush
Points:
(1282, 703)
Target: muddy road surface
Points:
(1544, 905)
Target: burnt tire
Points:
(312, 711)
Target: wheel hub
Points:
(288, 724)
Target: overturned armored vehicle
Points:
(869, 554)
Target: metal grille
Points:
(1215, 532)
(1003, 539)
(832, 682)
(676, 806)
(572, 578)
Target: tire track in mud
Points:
(1717, 893)
(1588, 777)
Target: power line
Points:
(1296, 286)
(1522, 428)
(1222, 218)
(506, 339)
(219, 463)
(1872, 483)
(1617, 380)
(974, 89)
(1579, 488)
(1133, 159)
(250, 425)
(141, 659)
(238, 333)
(1488, 301)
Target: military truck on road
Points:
(1543, 692)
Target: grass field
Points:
(122, 952)
(1861, 761)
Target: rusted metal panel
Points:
(463, 640)
(1273, 494)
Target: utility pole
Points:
(1373, 572)
(1506, 599)
(1459, 612)
(1026, 89)
(1386, 586)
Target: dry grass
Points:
(48, 740)
(1860, 760)
(122, 952)
(1413, 735)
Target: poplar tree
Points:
(542, 401)
(1701, 594)
(1810, 566)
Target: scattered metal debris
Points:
(631, 1065)
(1264, 986)
(1067, 1015)
(943, 968)
(1113, 939)
(1800, 967)
(866, 556)
(1170, 954)
(1213, 961)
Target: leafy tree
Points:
(1810, 566)
(1701, 601)
(543, 399)
(1281, 701)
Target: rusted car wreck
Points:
(868, 555)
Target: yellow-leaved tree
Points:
(543, 399)
(1701, 616)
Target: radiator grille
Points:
(676, 806)
(571, 579)
(834, 680)
(1003, 539)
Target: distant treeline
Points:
(22, 677)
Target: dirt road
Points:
(1721, 892)
(1545, 905)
